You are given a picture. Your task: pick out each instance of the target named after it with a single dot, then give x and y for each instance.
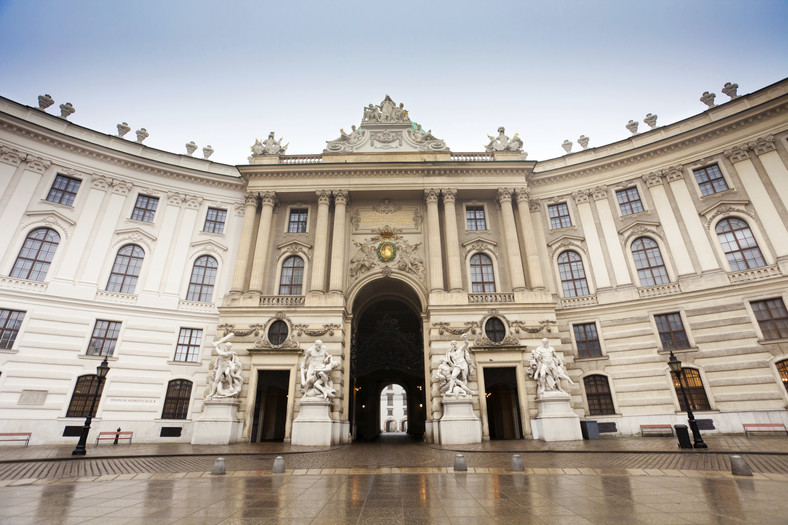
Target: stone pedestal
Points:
(218, 424)
(459, 425)
(314, 426)
(556, 420)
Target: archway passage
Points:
(387, 347)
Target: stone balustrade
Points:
(576, 302)
(301, 159)
(490, 297)
(754, 274)
(659, 290)
(471, 157)
(281, 300)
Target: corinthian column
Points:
(318, 281)
(452, 240)
(338, 244)
(512, 244)
(247, 230)
(434, 237)
(268, 199)
(529, 239)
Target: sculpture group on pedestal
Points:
(455, 370)
(269, 146)
(504, 143)
(226, 379)
(316, 368)
(547, 369)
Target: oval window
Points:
(277, 333)
(494, 329)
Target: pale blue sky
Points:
(225, 73)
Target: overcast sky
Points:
(224, 73)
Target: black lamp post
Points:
(675, 367)
(101, 374)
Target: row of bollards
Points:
(739, 467)
(220, 467)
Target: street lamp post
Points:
(675, 367)
(101, 374)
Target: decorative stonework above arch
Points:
(566, 242)
(134, 236)
(288, 344)
(479, 244)
(294, 248)
(726, 207)
(207, 247)
(638, 228)
(49, 218)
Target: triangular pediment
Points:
(639, 225)
(133, 232)
(37, 214)
(731, 203)
(208, 243)
(566, 238)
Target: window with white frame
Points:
(10, 322)
(739, 244)
(649, 263)
(482, 274)
(573, 275)
(292, 280)
(202, 279)
(104, 338)
(559, 216)
(710, 180)
(145, 208)
(772, 318)
(126, 269)
(214, 220)
(36, 255)
(629, 201)
(64, 190)
(188, 348)
(176, 403)
(671, 331)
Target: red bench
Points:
(112, 436)
(763, 427)
(656, 429)
(16, 436)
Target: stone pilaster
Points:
(529, 240)
(452, 239)
(268, 200)
(318, 281)
(336, 280)
(247, 232)
(512, 243)
(434, 236)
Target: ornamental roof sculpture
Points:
(269, 146)
(385, 128)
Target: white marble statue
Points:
(316, 368)
(547, 369)
(455, 370)
(227, 380)
(504, 143)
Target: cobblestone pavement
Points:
(381, 499)
(764, 455)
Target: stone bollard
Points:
(279, 465)
(739, 467)
(517, 463)
(459, 463)
(219, 468)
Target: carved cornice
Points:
(737, 154)
(36, 163)
(653, 179)
(431, 195)
(11, 156)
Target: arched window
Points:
(649, 263)
(36, 255)
(126, 269)
(693, 386)
(203, 277)
(782, 369)
(82, 398)
(292, 276)
(482, 275)
(573, 277)
(739, 244)
(600, 401)
(176, 404)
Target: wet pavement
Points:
(395, 480)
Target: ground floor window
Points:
(176, 404)
(693, 386)
(82, 398)
(600, 400)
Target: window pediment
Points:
(294, 247)
(479, 244)
(566, 242)
(723, 207)
(640, 228)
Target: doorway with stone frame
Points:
(270, 406)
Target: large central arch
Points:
(387, 346)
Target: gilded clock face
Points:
(387, 251)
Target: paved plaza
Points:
(625, 480)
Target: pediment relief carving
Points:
(53, 213)
(386, 252)
(566, 242)
(294, 247)
(480, 244)
(135, 235)
(49, 218)
(726, 206)
(640, 228)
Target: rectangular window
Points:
(629, 201)
(772, 318)
(10, 321)
(559, 216)
(297, 223)
(671, 331)
(188, 349)
(145, 208)
(64, 190)
(214, 220)
(710, 180)
(587, 340)
(390, 400)
(474, 216)
(105, 336)
(390, 411)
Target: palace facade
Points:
(388, 246)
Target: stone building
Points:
(388, 246)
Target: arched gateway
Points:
(387, 345)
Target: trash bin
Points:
(683, 436)
(589, 428)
